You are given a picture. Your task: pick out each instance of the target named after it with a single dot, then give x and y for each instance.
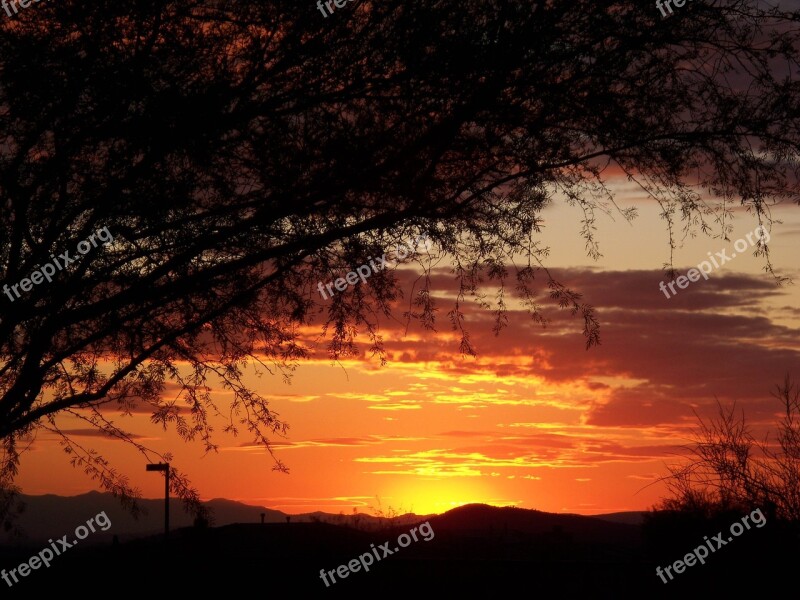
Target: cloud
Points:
(89, 432)
(336, 442)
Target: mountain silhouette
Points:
(475, 550)
(481, 520)
(50, 515)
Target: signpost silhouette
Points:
(163, 467)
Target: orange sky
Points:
(535, 420)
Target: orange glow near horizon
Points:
(535, 421)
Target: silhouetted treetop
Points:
(240, 152)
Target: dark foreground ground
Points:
(472, 554)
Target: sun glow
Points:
(436, 497)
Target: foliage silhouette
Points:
(241, 152)
(729, 470)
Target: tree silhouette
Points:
(241, 152)
(728, 469)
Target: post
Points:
(163, 467)
(166, 502)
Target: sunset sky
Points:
(536, 420)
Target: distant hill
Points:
(51, 516)
(634, 517)
(472, 551)
(482, 521)
(475, 551)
